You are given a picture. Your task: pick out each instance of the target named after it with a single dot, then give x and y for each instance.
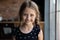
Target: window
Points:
(50, 20)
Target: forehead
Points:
(29, 10)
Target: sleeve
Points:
(38, 29)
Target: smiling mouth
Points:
(27, 21)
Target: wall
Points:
(9, 8)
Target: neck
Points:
(27, 27)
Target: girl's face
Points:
(29, 16)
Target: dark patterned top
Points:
(33, 35)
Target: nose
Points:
(28, 17)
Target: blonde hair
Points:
(33, 5)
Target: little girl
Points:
(29, 28)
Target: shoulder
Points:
(14, 31)
(37, 28)
(40, 35)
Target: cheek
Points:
(33, 19)
(23, 18)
